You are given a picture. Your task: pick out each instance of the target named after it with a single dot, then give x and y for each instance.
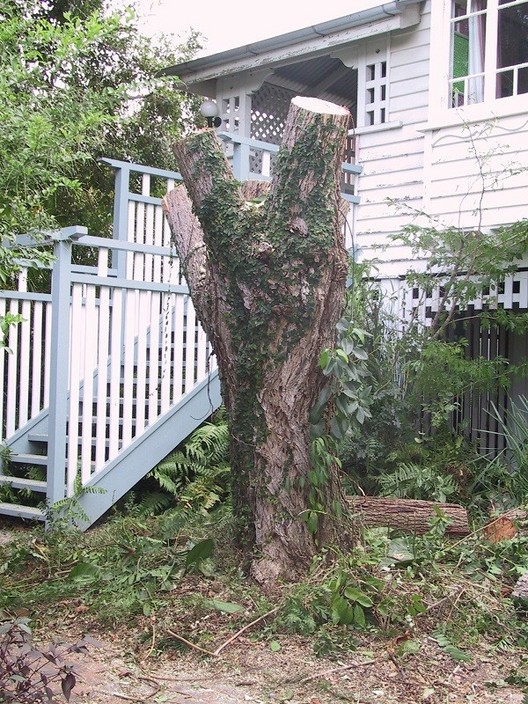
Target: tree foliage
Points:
(77, 83)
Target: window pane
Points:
(512, 49)
(459, 8)
(505, 84)
(523, 80)
(512, 40)
(468, 40)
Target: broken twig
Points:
(342, 668)
(239, 633)
(188, 642)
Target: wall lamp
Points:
(209, 109)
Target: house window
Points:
(489, 50)
(376, 93)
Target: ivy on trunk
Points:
(266, 267)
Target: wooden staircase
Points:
(109, 370)
(99, 495)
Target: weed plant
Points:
(28, 673)
(406, 587)
(117, 571)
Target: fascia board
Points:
(314, 47)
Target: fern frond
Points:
(195, 475)
(155, 503)
(414, 481)
(209, 443)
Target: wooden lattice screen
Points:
(475, 413)
(269, 109)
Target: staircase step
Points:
(38, 437)
(19, 511)
(21, 483)
(23, 458)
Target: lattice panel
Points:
(269, 109)
(510, 294)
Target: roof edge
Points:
(323, 29)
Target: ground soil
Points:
(248, 671)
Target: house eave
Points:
(284, 48)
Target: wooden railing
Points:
(106, 355)
(243, 152)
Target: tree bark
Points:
(267, 275)
(407, 515)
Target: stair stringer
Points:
(144, 453)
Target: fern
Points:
(414, 481)
(450, 649)
(194, 477)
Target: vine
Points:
(343, 403)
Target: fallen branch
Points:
(118, 695)
(152, 683)
(408, 515)
(341, 668)
(188, 642)
(245, 628)
(217, 652)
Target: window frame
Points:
(441, 109)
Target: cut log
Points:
(407, 515)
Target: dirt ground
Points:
(249, 671)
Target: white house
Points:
(435, 89)
(438, 95)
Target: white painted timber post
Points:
(60, 362)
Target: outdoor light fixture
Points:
(209, 109)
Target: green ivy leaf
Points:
(226, 607)
(85, 572)
(324, 358)
(342, 612)
(359, 616)
(199, 552)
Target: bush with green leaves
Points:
(78, 81)
(427, 584)
(418, 371)
(126, 568)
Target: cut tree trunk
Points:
(267, 268)
(407, 515)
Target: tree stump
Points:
(267, 276)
